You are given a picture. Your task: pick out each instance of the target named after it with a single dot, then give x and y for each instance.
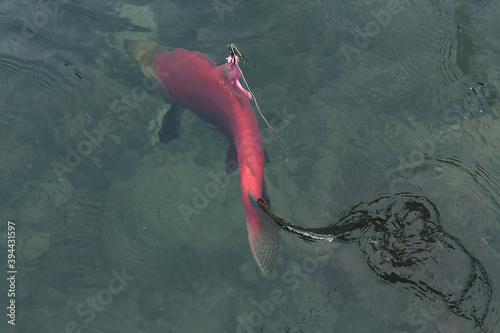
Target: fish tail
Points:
(263, 236)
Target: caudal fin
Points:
(263, 237)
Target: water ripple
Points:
(404, 243)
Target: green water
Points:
(373, 98)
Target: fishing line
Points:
(275, 134)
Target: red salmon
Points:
(196, 83)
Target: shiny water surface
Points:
(391, 114)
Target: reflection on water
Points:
(403, 242)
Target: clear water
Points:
(390, 109)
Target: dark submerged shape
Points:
(403, 242)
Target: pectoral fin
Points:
(171, 123)
(266, 157)
(231, 159)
